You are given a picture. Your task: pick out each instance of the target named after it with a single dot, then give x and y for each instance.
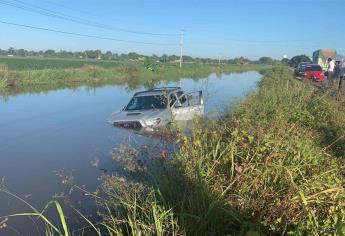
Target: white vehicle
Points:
(158, 107)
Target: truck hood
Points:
(141, 115)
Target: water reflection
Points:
(131, 84)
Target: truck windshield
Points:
(147, 102)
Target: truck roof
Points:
(157, 91)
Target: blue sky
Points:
(226, 28)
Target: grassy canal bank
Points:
(273, 166)
(96, 74)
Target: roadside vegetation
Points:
(274, 165)
(44, 70)
(3, 76)
(133, 74)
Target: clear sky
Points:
(229, 28)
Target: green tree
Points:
(133, 56)
(11, 51)
(266, 60)
(108, 55)
(241, 60)
(298, 59)
(93, 54)
(164, 58)
(173, 58)
(188, 59)
(49, 53)
(21, 52)
(285, 61)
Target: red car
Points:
(314, 72)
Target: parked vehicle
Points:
(158, 107)
(314, 72)
(299, 70)
(320, 56)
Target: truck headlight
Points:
(153, 122)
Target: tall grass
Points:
(130, 73)
(3, 83)
(265, 168)
(136, 210)
(50, 229)
(3, 76)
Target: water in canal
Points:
(41, 133)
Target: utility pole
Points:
(219, 59)
(181, 46)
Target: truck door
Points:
(188, 105)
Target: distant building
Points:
(320, 56)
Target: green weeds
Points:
(264, 168)
(3, 76)
(50, 228)
(134, 74)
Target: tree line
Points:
(108, 55)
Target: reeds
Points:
(264, 168)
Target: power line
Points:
(70, 8)
(84, 21)
(82, 35)
(226, 39)
(50, 13)
(39, 10)
(80, 11)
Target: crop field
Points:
(23, 63)
(28, 72)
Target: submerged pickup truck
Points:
(158, 107)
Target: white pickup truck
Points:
(158, 107)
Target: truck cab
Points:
(158, 107)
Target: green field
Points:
(23, 63)
(27, 73)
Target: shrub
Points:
(3, 76)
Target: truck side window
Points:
(181, 98)
(183, 101)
